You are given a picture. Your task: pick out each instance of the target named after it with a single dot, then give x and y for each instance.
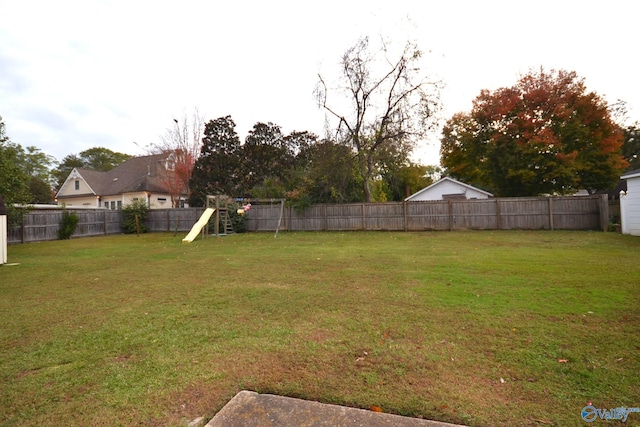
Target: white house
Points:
(630, 204)
(448, 189)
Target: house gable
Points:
(76, 185)
(448, 189)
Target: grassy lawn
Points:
(477, 328)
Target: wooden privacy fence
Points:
(529, 213)
(43, 224)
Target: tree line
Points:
(298, 166)
(546, 134)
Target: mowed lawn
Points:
(504, 328)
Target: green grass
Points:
(464, 327)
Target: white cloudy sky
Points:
(87, 73)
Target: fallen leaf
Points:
(502, 380)
(375, 408)
(563, 360)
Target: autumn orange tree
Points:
(545, 135)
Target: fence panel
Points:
(263, 217)
(423, 216)
(312, 219)
(173, 219)
(477, 215)
(384, 216)
(572, 214)
(519, 213)
(346, 217)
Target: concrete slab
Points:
(250, 409)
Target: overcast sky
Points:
(88, 73)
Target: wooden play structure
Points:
(220, 204)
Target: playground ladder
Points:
(226, 222)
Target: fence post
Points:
(550, 213)
(104, 221)
(450, 204)
(3, 232)
(22, 228)
(604, 212)
(325, 220)
(498, 214)
(364, 219)
(404, 214)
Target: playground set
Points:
(218, 208)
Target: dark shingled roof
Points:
(136, 174)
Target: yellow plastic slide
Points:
(198, 225)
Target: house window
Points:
(119, 204)
(77, 184)
(106, 205)
(113, 204)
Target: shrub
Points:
(68, 224)
(136, 209)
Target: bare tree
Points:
(390, 102)
(182, 141)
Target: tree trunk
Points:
(366, 176)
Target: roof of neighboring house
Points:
(446, 178)
(136, 174)
(631, 174)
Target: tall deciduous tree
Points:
(546, 134)
(217, 169)
(331, 174)
(14, 181)
(37, 165)
(266, 156)
(391, 102)
(96, 158)
(631, 146)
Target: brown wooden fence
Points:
(530, 213)
(43, 224)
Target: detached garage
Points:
(448, 189)
(630, 204)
